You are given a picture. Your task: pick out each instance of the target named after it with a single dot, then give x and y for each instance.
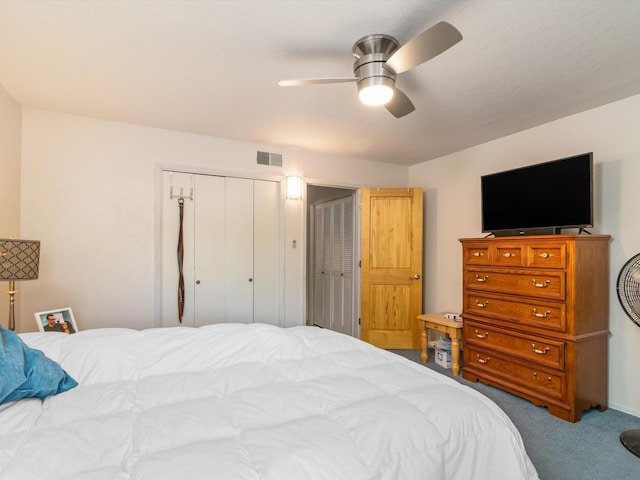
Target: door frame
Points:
(310, 252)
(310, 257)
(158, 219)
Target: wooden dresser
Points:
(535, 313)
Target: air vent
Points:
(263, 158)
(276, 159)
(266, 158)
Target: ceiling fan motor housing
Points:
(371, 53)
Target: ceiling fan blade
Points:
(314, 81)
(430, 43)
(399, 105)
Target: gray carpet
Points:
(586, 450)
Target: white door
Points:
(231, 261)
(342, 319)
(266, 231)
(322, 266)
(334, 265)
(208, 288)
(238, 251)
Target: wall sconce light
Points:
(294, 188)
(19, 260)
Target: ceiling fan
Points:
(380, 58)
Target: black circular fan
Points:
(628, 287)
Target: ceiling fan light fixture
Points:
(376, 90)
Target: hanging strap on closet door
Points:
(180, 262)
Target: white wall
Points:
(452, 189)
(10, 125)
(90, 191)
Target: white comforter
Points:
(251, 402)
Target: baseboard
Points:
(625, 409)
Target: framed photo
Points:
(60, 320)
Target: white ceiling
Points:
(212, 67)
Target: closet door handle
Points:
(250, 279)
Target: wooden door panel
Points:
(391, 274)
(390, 307)
(388, 250)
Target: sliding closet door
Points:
(173, 184)
(342, 319)
(322, 266)
(231, 250)
(238, 252)
(334, 266)
(209, 250)
(266, 232)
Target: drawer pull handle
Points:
(541, 315)
(508, 254)
(478, 254)
(482, 305)
(535, 374)
(482, 360)
(540, 285)
(482, 335)
(546, 255)
(482, 279)
(538, 351)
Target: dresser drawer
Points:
(476, 255)
(547, 255)
(543, 381)
(508, 256)
(514, 311)
(542, 284)
(528, 347)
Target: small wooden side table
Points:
(436, 321)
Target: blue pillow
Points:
(27, 372)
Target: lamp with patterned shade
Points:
(19, 260)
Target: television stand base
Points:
(527, 232)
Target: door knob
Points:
(250, 279)
(416, 276)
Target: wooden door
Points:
(391, 273)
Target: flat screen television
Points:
(539, 199)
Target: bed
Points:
(250, 402)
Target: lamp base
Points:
(12, 301)
(631, 440)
